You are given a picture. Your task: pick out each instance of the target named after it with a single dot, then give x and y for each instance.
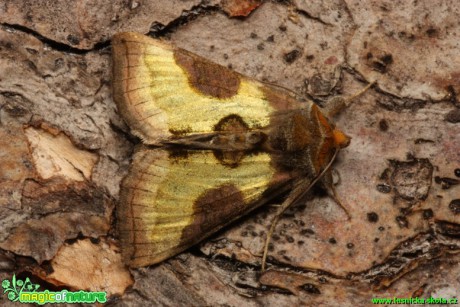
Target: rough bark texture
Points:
(64, 150)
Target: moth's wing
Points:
(170, 202)
(164, 92)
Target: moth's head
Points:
(341, 139)
(330, 139)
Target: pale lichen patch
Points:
(55, 155)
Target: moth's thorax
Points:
(304, 138)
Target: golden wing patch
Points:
(152, 81)
(169, 203)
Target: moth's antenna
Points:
(359, 93)
(337, 104)
(298, 192)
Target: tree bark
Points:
(64, 150)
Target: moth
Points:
(215, 146)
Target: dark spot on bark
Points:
(73, 39)
(275, 237)
(382, 63)
(58, 63)
(95, 240)
(300, 242)
(383, 125)
(410, 156)
(387, 59)
(421, 141)
(431, 32)
(454, 206)
(291, 56)
(32, 51)
(282, 28)
(225, 56)
(383, 188)
(378, 66)
(253, 35)
(271, 247)
(369, 55)
(372, 217)
(350, 245)
(261, 46)
(310, 288)
(286, 258)
(244, 233)
(306, 232)
(453, 96)
(31, 65)
(271, 38)
(290, 239)
(250, 227)
(381, 228)
(406, 36)
(385, 175)
(446, 182)
(208, 78)
(7, 45)
(448, 229)
(427, 214)
(453, 116)
(402, 221)
(332, 241)
(457, 172)
(310, 57)
(405, 211)
(376, 240)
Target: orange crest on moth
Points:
(223, 144)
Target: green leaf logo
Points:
(15, 287)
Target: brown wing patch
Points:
(208, 78)
(232, 123)
(280, 98)
(215, 207)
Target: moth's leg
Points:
(299, 190)
(327, 183)
(338, 104)
(301, 187)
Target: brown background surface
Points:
(64, 150)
